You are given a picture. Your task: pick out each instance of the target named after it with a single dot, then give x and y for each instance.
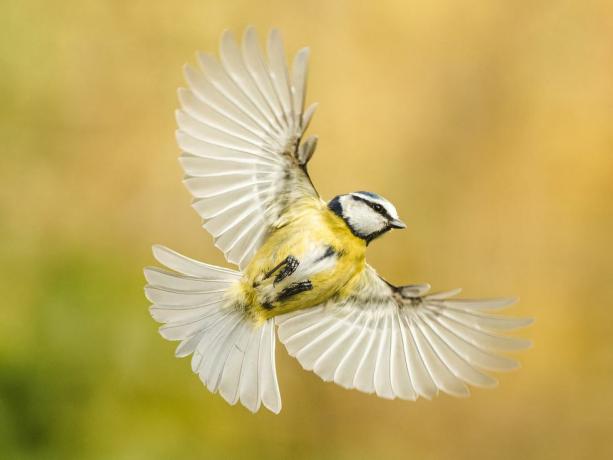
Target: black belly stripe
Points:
(329, 253)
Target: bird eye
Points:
(378, 207)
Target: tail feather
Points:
(267, 369)
(158, 277)
(173, 313)
(232, 354)
(258, 369)
(191, 267)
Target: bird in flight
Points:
(301, 262)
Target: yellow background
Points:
(487, 123)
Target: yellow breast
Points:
(309, 226)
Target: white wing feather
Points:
(240, 124)
(395, 343)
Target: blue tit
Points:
(301, 269)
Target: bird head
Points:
(367, 214)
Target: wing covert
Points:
(401, 342)
(240, 125)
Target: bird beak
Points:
(397, 223)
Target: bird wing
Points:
(240, 126)
(400, 342)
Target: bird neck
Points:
(336, 207)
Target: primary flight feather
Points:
(301, 261)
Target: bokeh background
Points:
(488, 124)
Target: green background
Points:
(487, 123)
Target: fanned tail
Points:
(231, 353)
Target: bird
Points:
(301, 273)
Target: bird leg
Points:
(289, 264)
(295, 288)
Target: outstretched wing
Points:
(399, 342)
(240, 126)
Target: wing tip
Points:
(508, 301)
(227, 34)
(149, 272)
(159, 250)
(189, 71)
(523, 322)
(274, 33)
(274, 408)
(444, 294)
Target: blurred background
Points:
(487, 123)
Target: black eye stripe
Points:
(375, 207)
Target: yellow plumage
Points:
(309, 225)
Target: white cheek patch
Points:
(362, 218)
